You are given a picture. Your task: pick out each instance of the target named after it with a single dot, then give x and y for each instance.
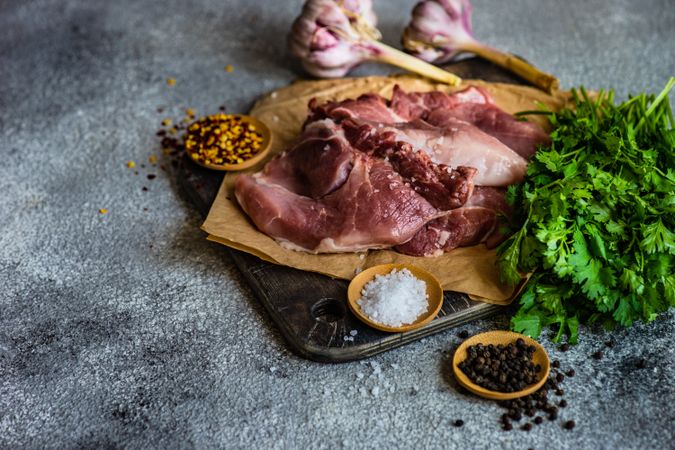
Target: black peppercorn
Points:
(459, 422)
(597, 355)
(564, 347)
(538, 420)
(569, 424)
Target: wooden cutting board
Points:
(311, 309)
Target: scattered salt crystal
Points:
(353, 332)
(273, 369)
(362, 391)
(394, 299)
(359, 376)
(375, 391)
(273, 95)
(346, 338)
(394, 366)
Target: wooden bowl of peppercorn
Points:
(501, 365)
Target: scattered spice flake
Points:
(131, 164)
(152, 159)
(103, 211)
(190, 112)
(170, 81)
(160, 110)
(145, 209)
(151, 176)
(229, 68)
(222, 108)
(144, 189)
(166, 122)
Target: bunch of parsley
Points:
(595, 217)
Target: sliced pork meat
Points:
(423, 173)
(522, 137)
(459, 143)
(478, 221)
(368, 107)
(416, 105)
(373, 208)
(441, 185)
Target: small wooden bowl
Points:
(434, 293)
(500, 337)
(265, 146)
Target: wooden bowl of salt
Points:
(432, 290)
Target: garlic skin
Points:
(438, 29)
(329, 36)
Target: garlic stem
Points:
(390, 55)
(542, 80)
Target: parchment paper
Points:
(470, 270)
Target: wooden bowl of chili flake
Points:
(227, 141)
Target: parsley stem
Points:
(656, 103)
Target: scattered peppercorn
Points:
(563, 403)
(609, 343)
(538, 420)
(555, 364)
(569, 424)
(570, 373)
(564, 347)
(144, 189)
(507, 426)
(463, 334)
(527, 427)
(642, 363)
(151, 176)
(559, 377)
(597, 355)
(459, 423)
(222, 139)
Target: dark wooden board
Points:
(311, 309)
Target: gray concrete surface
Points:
(130, 330)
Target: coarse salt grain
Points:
(394, 299)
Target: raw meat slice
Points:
(444, 187)
(318, 164)
(522, 137)
(461, 144)
(416, 105)
(369, 107)
(460, 227)
(476, 222)
(373, 208)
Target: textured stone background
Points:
(130, 330)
